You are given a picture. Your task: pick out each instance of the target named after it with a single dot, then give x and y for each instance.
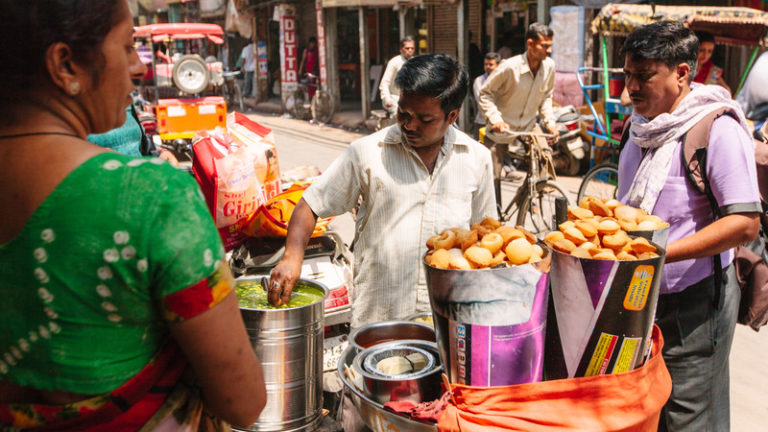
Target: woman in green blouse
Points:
(118, 311)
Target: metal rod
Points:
(746, 70)
(605, 86)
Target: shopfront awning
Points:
(369, 3)
(729, 25)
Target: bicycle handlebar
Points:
(599, 69)
(510, 136)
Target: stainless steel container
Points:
(386, 331)
(419, 386)
(373, 413)
(289, 344)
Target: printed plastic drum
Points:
(491, 323)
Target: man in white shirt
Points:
(416, 179)
(249, 66)
(387, 87)
(519, 89)
(490, 64)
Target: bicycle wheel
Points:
(300, 110)
(237, 96)
(541, 207)
(601, 182)
(322, 107)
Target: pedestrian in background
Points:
(248, 66)
(490, 63)
(118, 310)
(697, 306)
(706, 71)
(520, 89)
(388, 89)
(309, 63)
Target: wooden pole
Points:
(463, 48)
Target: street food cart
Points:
(494, 322)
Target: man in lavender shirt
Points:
(696, 318)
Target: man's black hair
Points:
(493, 56)
(537, 30)
(435, 75)
(668, 42)
(406, 39)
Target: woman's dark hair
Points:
(435, 75)
(668, 42)
(705, 37)
(34, 25)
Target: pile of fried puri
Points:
(484, 245)
(597, 229)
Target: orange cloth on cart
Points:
(626, 402)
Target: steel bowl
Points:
(387, 331)
(420, 317)
(421, 386)
(373, 413)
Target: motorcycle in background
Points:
(570, 152)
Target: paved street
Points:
(300, 144)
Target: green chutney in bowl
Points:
(251, 295)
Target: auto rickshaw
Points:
(182, 89)
(735, 26)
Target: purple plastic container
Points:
(491, 323)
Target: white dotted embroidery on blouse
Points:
(208, 258)
(15, 353)
(112, 165)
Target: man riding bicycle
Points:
(519, 89)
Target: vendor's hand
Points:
(283, 278)
(500, 127)
(166, 155)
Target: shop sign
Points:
(288, 52)
(321, 47)
(261, 53)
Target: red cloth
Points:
(425, 411)
(626, 402)
(703, 74)
(127, 408)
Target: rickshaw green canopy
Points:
(729, 25)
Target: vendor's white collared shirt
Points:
(513, 94)
(402, 206)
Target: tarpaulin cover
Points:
(729, 25)
(626, 402)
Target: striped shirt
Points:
(402, 206)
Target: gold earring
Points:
(74, 88)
